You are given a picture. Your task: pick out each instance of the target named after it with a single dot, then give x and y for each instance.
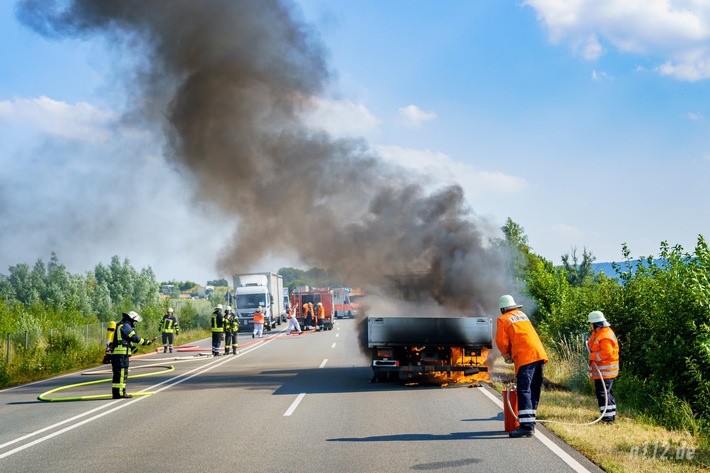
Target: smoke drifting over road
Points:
(229, 83)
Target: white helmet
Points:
(219, 307)
(320, 305)
(597, 316)
(229, 307)
(507, 303)
(170, 310)
(134, 316)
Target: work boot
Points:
(520, 432)
(234, 351)
(124, 396)
(165, 350)
(171, 350)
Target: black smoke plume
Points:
(228, 83)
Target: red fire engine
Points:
(313, 295)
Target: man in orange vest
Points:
(320, 315)
(258, 323)
(603, 358)
(519, 343)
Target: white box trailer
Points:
(254, 290)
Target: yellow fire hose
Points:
(43, 396)
(606, 405)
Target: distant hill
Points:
(608, 270)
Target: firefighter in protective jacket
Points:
(231, 327)
(217, 325)
(519, 343)
(169, 328)
(604, 353)
(125, 342)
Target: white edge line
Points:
(564, 456)
(294, 405)
(323, 363)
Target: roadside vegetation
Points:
(52, 322)
(659, 309)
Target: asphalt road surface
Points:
(298, 403)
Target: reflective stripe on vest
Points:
(168, 325)
(121, 346)
(215, 326)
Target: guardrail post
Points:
(27, 339)
(7, 357)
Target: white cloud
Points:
(678, 31)
(589, 48)
(411, 115)
(81, 121)
(442, 169)
(601, 75)
(694, 116)
(341, 117)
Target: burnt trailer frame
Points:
(408, 346)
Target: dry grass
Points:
(629, 445)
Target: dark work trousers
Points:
(603, 388)
(529, 379)
(168, 340)
(119, 365)
(216, 342)
(230, 339)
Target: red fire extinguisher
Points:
(510, 401)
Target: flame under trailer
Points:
(405, 347)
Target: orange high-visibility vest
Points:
(258, 317)
(604, 351)
(321, 312)
(517, 337)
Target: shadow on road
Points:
(492, 434)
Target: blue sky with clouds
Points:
(584, 121)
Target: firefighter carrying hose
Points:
(169, 328)
(125, 342)
(519, 343)
(604, 352)
(217, 327)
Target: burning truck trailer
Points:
(406, 347)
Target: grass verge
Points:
(634, 443)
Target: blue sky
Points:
(585, 122)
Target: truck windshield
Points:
(250, 301)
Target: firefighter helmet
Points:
(219, 307)
(229, 307)
(170, 310)
(507, 303)
(320, 304)
(134, 316)
(597, 316)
